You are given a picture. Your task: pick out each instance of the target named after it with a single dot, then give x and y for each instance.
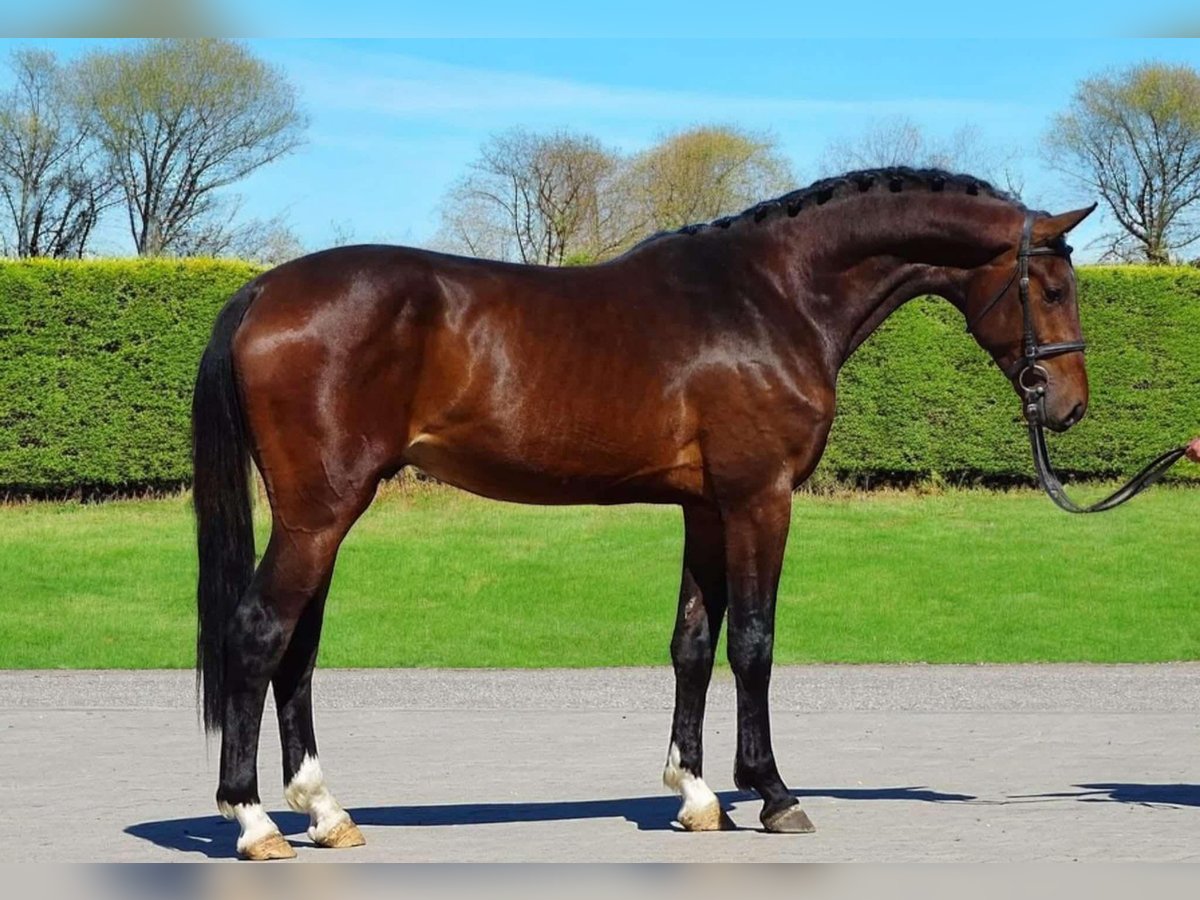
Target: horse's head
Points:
(1021, 308)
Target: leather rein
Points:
(1032, 378)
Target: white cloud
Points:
(420, 89)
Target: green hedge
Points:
(920, 398)
(97, 361)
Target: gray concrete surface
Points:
(892, 763)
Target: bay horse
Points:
(698, 369)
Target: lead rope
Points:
(1053, 486)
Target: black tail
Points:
(221, 498)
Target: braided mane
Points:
(895, 179)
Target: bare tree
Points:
(475, 224)
(562, 198)
(533, 198)
(899, 141)
(263, 241)
(267, 242)
(700, 174)
(51, 188)
(178, 120)
(344, 233)
(1134, 138)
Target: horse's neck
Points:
(867, 303)
(858, 266)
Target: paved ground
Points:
(892, 763)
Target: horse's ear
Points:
(1050, 228)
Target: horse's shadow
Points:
(214, 837)
(1139, 794)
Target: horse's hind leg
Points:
(294, 572)
(305, 790)
(702, 598)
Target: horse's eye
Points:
(1053, 295)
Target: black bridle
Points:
(1031, 379)
(1032, 351)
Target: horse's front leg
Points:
(702, 595)
(755, 536)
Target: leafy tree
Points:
(178, 120)
(51, 189)
(1134, 138)
(700, 174)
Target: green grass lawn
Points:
(432, 577)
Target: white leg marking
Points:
(306, 792)
(700, 804)
(255, 822)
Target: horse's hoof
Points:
(273, 846)
(343, 835)
(792, 820)
(710, 818)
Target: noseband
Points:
(1032, 378)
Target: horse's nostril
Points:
(1075, 416)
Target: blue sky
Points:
(395, 122)
(619, 18)
(695, 18)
